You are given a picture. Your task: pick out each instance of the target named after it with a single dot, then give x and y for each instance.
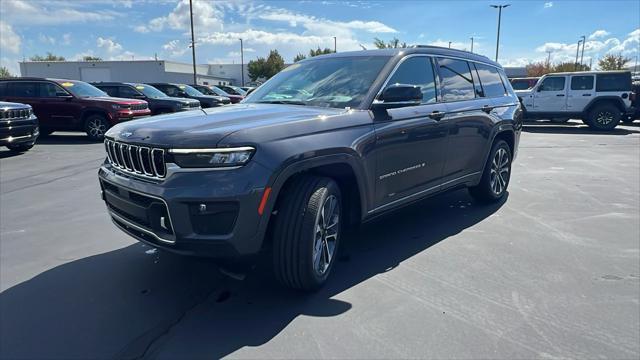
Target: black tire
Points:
(604, 117)
(46, 132)
(96, 126)
(297, 232)
(20, 147)
(492, 187)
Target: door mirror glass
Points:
(401, 94)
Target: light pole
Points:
(193, 43)
(549, 57)
(335, 44)
(499, 7)
(449, 44)
(584, 40)
(242, 62)
(575, 68)
(472, 44)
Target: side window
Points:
(23, 89)
(50, 90)
(417, 71)
(110, 90)
(457, 83)
(491, 81)
(582, 82)
(169, 90)
(127, 92)
(613, 82)
(552, 84)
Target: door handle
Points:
(559, 94)
(436, 115)
(487, 108)
(586, 94)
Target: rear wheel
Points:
(496, 174)
(307, 232)
(20, 147)
(604, 117)
(96, 126)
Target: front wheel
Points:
(496, 174)
(96, 126)
(307, 232)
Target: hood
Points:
(175, 100)
(11, 105)
(108, 99)
(215, 98)
(206, 128)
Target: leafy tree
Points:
(91, 58)
(265, 68)
(4, 73)
(299, 57)
(49, 57)
(395, 43)
(538, 69)
(568, 66)
(613, 62)
(319, 51)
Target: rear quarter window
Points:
(491, 81)
(23, 89)
(613, 82)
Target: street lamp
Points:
(472, 44)
(449, 44)
(335, 44)
(193, 44)
(499, 7)
(584, 40)
(242, 61)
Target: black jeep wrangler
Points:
(328, 142)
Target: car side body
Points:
(157, 105)
(382, 154)
(182, 91)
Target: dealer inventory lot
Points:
(553, 271)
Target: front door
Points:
(550, 95)
(61, 107)
(410, 142)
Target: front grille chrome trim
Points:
(137, 160)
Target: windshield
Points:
(190, 91)
(82, 89)
(238, 90)
(338, 82)
(150, 92)
(219, 91)
(205, 90)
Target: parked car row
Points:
(72, 105)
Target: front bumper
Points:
(212, 213)
(19, 131)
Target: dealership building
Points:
(136, 71)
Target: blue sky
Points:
(139, 29)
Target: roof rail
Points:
(419, 46)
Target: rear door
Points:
(550, 95)
(25, 92)
(469, 121)
(581, 91)
(410, 144)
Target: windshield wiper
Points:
(286, 102)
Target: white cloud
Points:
(598, 34)
(548, 4)
(456, 45)
(66, 39)
(9, 40)
(52, 13)
(175, 48)
(207, 17)
(47, 39)
(325, 26)
(109, 45)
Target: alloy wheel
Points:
(96, 128)
(326, 234)
(604, 118)
(499, 171)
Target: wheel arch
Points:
(615, 100)
(93, 111)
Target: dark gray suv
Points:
(326, 143)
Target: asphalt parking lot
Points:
(553, 272)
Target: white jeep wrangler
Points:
(599, 98)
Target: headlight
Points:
(209, 158)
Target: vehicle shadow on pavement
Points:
(575, 128)
(137, 303)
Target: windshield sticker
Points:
(67, 84)
(182, 86)
(140, 87)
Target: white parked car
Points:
(599, 98)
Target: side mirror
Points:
(182, 94)
(539, 88)
(139, 96)
(66, 97)
(399, 95)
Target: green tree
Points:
(319, 51)
(262, 68)
(4, 73)
(538, 69)
(613, 62)
(49, 57)
(394, 43)
(568, 66)
(299, 57)
(91, 58)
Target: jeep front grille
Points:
(11, 114)
(135, 159)
(139, 107)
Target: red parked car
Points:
(71, 105)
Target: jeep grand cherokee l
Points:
(329, 141)
(18, 126)
(159, 102)
(71, 105)
(186, 91)
(216, 91)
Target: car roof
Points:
(591, 72)
(416, 49)
(40, 79)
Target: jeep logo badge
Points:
(126, 134)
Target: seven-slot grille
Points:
(194, 104)
(139, 107)
(15, 113)
(134, 159)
